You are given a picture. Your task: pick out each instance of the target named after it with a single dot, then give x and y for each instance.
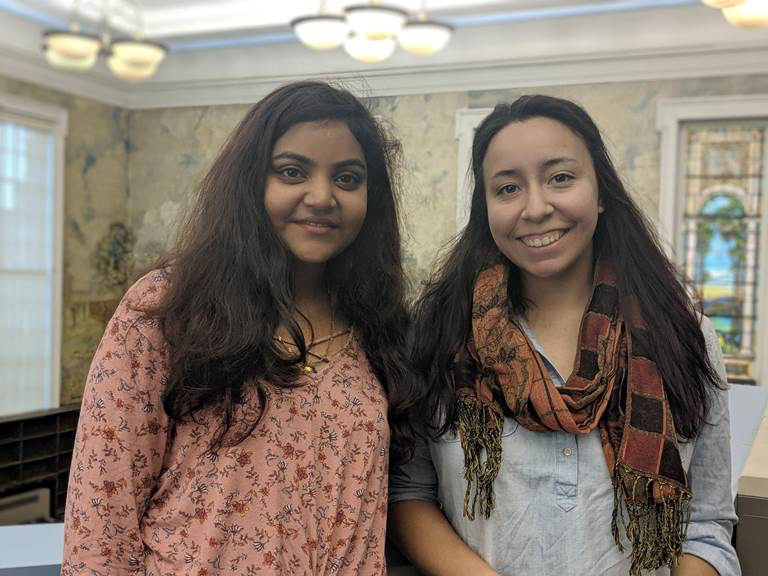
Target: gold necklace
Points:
(320, 358)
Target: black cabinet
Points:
(36, 451)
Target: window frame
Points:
(671, 114)
(54, 119)
(467, 120)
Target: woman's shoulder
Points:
(137, 306)
(715, 355)
(711, 339)
(148, 290)
(707, 329)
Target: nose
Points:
(537, 206)
(320, 194)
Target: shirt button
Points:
(567, 451)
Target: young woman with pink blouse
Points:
(238, 411)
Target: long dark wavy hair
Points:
(442, 314)
(230, 281)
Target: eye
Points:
(508, 189)
(562, 178)
(289, 172)
(349, 180)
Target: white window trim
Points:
(467, 119)
(57, 120)
(670, 114)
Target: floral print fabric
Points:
(304, 493)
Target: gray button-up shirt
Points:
(554, 495)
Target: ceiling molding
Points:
(503, 74)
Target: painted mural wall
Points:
(131, 175)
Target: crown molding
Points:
(638, 65)
(502, 74)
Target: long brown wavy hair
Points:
(230, 280)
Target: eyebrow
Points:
(547, 164)
(309, 162)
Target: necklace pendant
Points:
(308, 369)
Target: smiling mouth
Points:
(542, 240)
(319, 224)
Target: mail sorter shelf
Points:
(36, 451)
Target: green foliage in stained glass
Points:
(720, 265)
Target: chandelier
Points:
(131, 59)
(371, 32)
(743, 13)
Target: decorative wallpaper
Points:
(169, 152)
(131, 175)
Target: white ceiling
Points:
(226, 51)
(166, 19)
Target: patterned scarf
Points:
(615, 387)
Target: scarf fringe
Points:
(656, 530)
(480, 430)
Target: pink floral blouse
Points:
(304, 493)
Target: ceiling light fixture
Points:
(423, 36)
(720, 4)
(370, 32)
(135, 59)
(128, 59)
(367, 50)
(321, 32)
(749, 14)
(375, 21)
(71, 49)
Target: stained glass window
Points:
(723, 182)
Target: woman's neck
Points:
(313, 309)
(309, 288)
(566, 294)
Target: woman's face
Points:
(541, 193)
(316, 193)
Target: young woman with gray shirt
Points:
(576, 399)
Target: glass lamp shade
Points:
(130, 71)
(424, 37)
(369, 51)
(71, 50)
(750, 14)
(321, 32)
(73, 64)
(138, 53)
(720, 4)
(375, 22)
